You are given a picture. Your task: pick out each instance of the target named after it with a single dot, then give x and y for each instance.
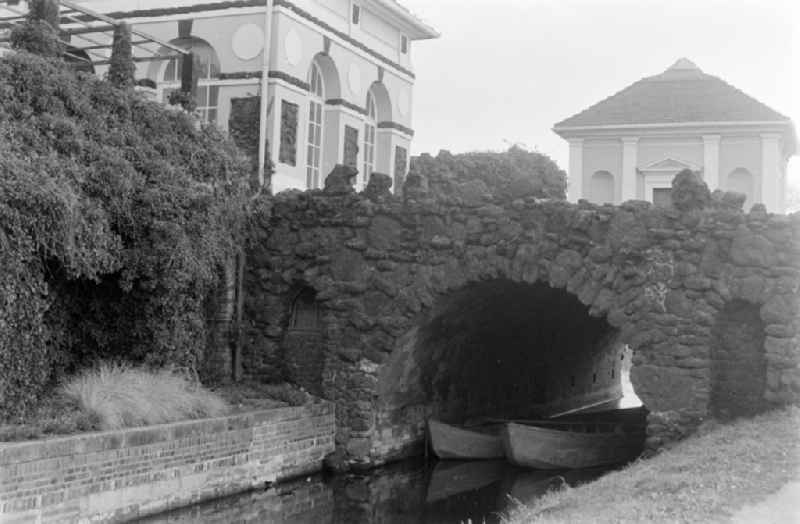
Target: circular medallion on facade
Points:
(293, 47)
(354, 79)
(248, 41)
(403, 103)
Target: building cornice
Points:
(413, 26)
(153, 16)
(342, 36)
(344, 103)
(275, 74)
(645, 130)
(397, 127)
(670, 125)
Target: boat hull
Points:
(454, 442)
(546, 448)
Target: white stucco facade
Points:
(630, 160)
(640, 161)
(360, 48)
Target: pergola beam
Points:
(141, 59)
(80, 22)
(113, 22)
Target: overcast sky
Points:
(505, 71)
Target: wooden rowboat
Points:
(457, 442)
(569, 446)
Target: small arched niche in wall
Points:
(302, 348)
(740, 180)
(738, 362)
(602, 188)
(305, 311)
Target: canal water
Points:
(407, 492)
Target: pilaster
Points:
(771, 179)
(711, 161)
(575, 179)
(629, 159)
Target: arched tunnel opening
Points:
(502, 349)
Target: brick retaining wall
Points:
(120, 475)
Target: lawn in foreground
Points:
(705, 478)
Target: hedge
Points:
(116, 214)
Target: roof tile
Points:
(682, 93)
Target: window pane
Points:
(212, 115)
(319, 113)
(213, 96)
(318, 135)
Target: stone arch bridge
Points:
(399, 308)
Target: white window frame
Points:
(316, 127)
(370, 132)
(207, 82)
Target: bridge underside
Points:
(500, 349)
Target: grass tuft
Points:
(121, 396)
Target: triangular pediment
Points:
(670, 164)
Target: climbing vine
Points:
(115, 216)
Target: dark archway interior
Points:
(505, 349)
(302, 342)
(738, 364)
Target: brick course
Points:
(119, 475)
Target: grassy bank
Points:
(706, 478)
(114, 396)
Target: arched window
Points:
(316, 100)
(206, 68)
(740, 180)
(370, 123)
(602, 188)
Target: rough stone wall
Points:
(660, 277)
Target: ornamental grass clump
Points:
(123, 396)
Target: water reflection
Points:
(401, 493)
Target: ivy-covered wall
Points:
(116, 216)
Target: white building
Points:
(632, 144)
(340, 75)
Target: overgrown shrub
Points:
(515, 173)
(38, 33)
(120, 396)
(115, 215)
(122, 70)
